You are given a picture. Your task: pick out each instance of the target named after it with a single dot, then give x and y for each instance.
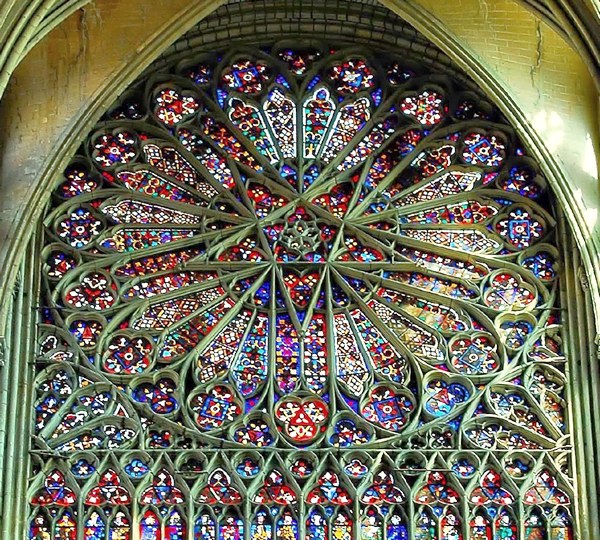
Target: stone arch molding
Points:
(94, 100)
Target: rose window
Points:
(301, 293)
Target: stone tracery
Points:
(352, 254)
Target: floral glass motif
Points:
(301, 292)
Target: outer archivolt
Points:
(303, 250)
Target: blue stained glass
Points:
(222, 98)
(464, 468)
(396, 528)
(310, 175)
(316, 526)
(314, 81)
(290, 174)
(250, 403)
(136, 468)
(280, 79)
(352, 403)
(376, 96)
(83, 468)
(263, 295)
(503, 202)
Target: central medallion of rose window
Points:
(301, 238)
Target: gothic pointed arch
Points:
(301, 290)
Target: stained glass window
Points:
(297, 294)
